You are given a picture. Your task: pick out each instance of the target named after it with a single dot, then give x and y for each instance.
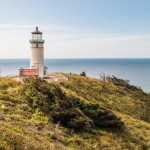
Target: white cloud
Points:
(66, 41)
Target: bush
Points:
(83, 74)
(100, 116)
(69, 111)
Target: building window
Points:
(44, 72)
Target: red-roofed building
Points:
(28, 72)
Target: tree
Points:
(83, 74)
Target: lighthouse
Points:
(37, 67)
(37, 53)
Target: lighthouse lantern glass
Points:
(37, 37)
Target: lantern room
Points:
(36, 36)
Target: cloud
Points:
(66, 41)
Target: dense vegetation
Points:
(81, 113)
(69, 111)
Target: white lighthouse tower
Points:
(37, 53)
(37, 68)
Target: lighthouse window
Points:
(36, 36)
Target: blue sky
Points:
(76, 28)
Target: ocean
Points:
(135, 70)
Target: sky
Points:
(76, 28)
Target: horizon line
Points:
(89, 58)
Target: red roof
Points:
(28, 72)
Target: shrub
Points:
(67, 110)
(100, 116)
(83, 74)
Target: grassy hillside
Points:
(81, 113)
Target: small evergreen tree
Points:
(83, 74)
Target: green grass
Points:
(33, 115)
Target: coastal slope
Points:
(78, 113)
